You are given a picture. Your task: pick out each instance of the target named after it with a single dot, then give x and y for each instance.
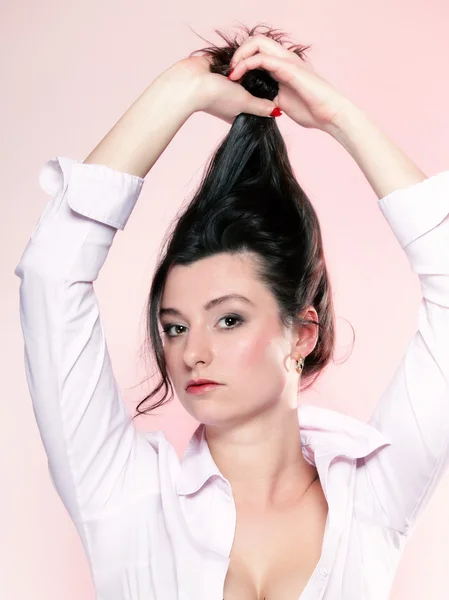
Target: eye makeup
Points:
(235, 317)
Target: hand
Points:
(217, 95)
(303, 95)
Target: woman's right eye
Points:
(167, 328)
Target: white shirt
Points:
(156, 527)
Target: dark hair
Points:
(250, 201)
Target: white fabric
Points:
(154, 527)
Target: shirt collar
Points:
(323, 432)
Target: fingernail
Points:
(276, 112)
(229, 76)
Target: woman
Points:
(271, 499)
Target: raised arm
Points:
(97, 461)
(141, 135)
(386, 167)
(413, 412)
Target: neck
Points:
(263, 461)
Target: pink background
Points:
(69, 71)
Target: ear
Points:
(306, 334)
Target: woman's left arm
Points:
(413, 412)
(386, 167)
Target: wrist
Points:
(140, 136)
(348, 119)
(183, 85)
(386, 167)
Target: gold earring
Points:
(299, 364)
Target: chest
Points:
(274, 554)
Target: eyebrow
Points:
(208, 306)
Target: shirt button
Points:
(324, 572)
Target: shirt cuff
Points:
(415, 210)
(95, 191)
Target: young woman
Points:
(272, 499)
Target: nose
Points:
(197, 348)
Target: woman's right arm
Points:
(97, 461)
(141, 135)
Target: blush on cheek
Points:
(257, 350)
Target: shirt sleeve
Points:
(98, 462)
(413, 412)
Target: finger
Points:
(245, 102)
(258, 43)
(260, 107)
(279, 69)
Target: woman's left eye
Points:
(233, 318)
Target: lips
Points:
(200, 382)
(203, 388)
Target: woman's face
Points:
(239, 344)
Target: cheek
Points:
(257, 351)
